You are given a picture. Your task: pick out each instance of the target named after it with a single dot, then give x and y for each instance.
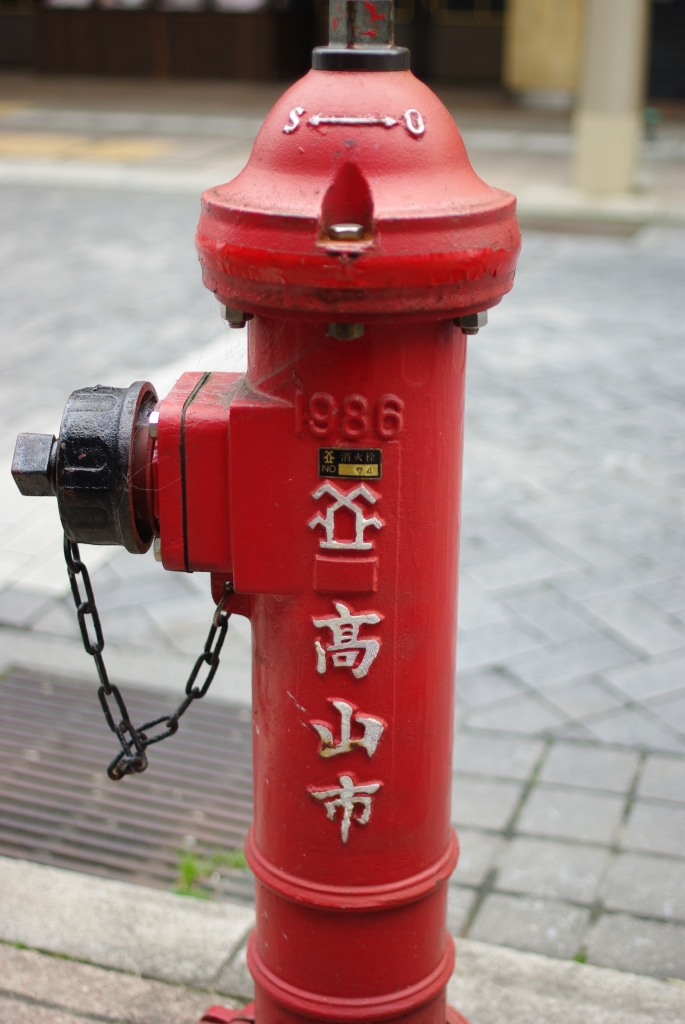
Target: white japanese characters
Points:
(346, 501)
(350, 648)
(347, 797)
(412, 119)
(373, 730)
(347, 645)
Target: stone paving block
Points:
(29, 538)
(642, 680)
(184, 620)
(542, 609)
(613, 575)
(644, 947)
(590, 767)
(144, 590)
(477, 607)
(105, 575)
(14, 1012)
(488, 645)
(496, 756)
(655, 828)
(492, 985)
(124, 566)
(570, 814)
(21, 607)
(578, 531)
(669, 596)
(647, 886)
(131, 626)
(526, 714)
(573, 731)
(638, 626)
(487, 537)
(583, 697)
(484, 803)
(520, 567)
(59, 620)
(477, 689)
(671, 711)
(634, 727)
(46, 570)
(541, 926)
(551, 869)
(459, 904)
(478, 851)
(663, 778)
(558, 663)
(67, 988)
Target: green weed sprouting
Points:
(196, 872)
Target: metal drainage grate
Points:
(57, 805)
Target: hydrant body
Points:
(344, 493)
(325, 486)
(353, 617)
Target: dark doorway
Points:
(667, 51)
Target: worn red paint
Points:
(440, 241)
(351, 845)
(371, 8)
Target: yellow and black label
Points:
(347, 462)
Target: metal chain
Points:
(132, 758)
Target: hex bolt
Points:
(33, 465)
(235, 317)
(153, 421)
(345, 332)
(471, 323)
(346, 232)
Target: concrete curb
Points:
(493, 985)
(161, 936)
(114, 924)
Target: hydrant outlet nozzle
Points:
(98, 467)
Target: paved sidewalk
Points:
(570, 760)
(181, 138)
(138, 956)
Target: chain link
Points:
(132, 758)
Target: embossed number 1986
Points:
(353, 418)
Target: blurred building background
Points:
(531, 47)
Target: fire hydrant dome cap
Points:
(377, 149)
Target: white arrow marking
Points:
(388, 122)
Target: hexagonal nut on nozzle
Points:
(33, 465)
(471, 323)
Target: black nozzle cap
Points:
(363, 58)
(33, 465)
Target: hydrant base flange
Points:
(224, 1015)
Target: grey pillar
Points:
(608, 122)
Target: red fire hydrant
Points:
(321, 491)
